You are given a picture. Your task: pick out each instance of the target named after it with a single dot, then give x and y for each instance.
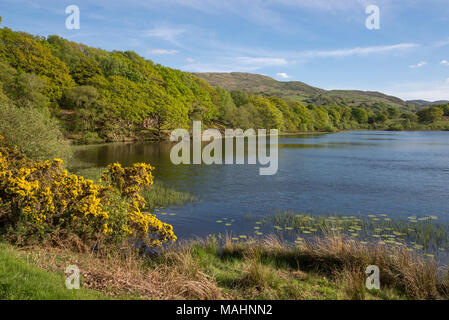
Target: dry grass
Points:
(346, 261)
(131, 275)
(399, 268)
(329, 268)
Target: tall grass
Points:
(345, 261)
(332, 267)
(162, 196)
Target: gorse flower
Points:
(39, 198)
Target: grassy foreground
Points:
(331, 268)
(22, 279)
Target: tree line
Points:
(70, 90)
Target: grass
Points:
(20, 279)
(160, 196)
(331, 267)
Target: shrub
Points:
(90, 138)
(40, 201)
(395, 127)
(33, 131)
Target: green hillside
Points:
(259, 84)
(299, 91)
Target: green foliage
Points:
(33, 131)
(430, 114)
(360, 115)
(445, 108)
(30, 54)
(272, 118)
(25, 89)
(381, 118)
(81, 97)
(240, 97)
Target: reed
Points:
(424, 234)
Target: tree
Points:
(321, 121)
(381, 118)
(444, 107)
(25, 89)
(33, 131)
(393, 112)
(27, 53)
(225, 105)
(240, 97)
(272, 118)
(360, 115)
(81, 97)
(85, 70)
(302, 116)
(430, 114)
(28, 91)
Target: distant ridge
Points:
(427, 103)
(300, 91)
(258, 83)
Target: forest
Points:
(68, 91)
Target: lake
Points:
(349, 173)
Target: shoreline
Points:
(132, 141)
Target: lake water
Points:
(351, 173)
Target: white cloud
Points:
(282, 75)
(167, 33)
(441, 43)
(237, 64)
(190, 60)
(255, 61)
(214, 67)
(262, 62)
(445, 62)
(360, 50)
(163, 51)
(418, 65)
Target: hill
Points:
(424, 103)
(259, 84)
(299, 91)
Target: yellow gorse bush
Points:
(129, 181)
(39, 198)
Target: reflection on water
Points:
(397, 173)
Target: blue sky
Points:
(323, 43)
